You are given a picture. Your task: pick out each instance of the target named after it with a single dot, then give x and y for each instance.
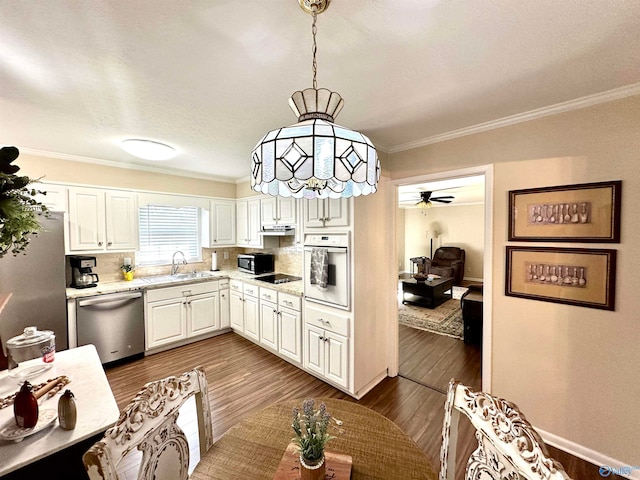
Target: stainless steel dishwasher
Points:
(113, 322)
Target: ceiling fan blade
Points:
(440, 200)
(445, 196)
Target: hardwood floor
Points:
(244, 378)
(433, 360)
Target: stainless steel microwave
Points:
(256, 263)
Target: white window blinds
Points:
(164, 229)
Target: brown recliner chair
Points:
(447, 262)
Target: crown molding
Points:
(576, 104)
(126, 166)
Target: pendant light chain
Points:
(314, 30)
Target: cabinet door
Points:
(86, 219)
(313, 213)
(54, 197)
(251, 318)
(314, 349)
(253, 223)
(269, 212)
(204, 312)
(336, 212)
(269, 325)
(242, 222)
(336, 358)
(236, 311)
(121, 216)
(287, 211)
(223, 223)
(166, 322)
(289, 334)
(225, 311)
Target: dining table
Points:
(254, 447)
(96, 409)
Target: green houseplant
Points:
(310, 427)
(19, 210)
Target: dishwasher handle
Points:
(110, 298)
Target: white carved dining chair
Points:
(148, 424)
(508, 446)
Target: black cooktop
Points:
(278, 278)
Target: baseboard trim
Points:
(590, 456)
(472, 279)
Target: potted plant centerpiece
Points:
(18, 207)
(310, 427)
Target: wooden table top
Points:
(254, 447)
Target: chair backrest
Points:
(445, 256)
(148, 423)
(508, 446)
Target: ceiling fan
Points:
(426, 199)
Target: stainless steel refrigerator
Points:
(32, 286)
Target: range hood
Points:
(277, 231)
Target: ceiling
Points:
(212, 77)
(465, 190)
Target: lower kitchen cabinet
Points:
(225, 306)
(251, 318)
(177, 313)
(290, 334)
(269, 325)
(327, 354)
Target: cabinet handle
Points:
(109, 244)
(222, 295)
(322, 338)
(99, 244)
(275, 311)
(326, 339)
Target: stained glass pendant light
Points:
(315, 158)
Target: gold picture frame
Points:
(574, 276)
(588, 212)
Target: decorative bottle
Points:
(25, 407)
(67, 414)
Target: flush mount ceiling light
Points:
(148, 149)
(315, 158)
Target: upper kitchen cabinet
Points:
(326, 212)
(278, 211)
(248, 223)
(54, 197)
(102, 220)
(222, 223)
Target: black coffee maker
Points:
(81, 274)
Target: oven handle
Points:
(330, 250)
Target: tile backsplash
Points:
(287, 260)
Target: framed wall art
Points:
(574, 276)
(588, 212)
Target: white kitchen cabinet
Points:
(326, 343)
(102, 220)
(251, 312)
(222, 223)
(290, 334)
(225, 304)
(248, 223)
(269, 325)
(278, 211)
(327, 354)
(178, 313)
(166, 322)
(203, 313)
(236, 308)
(55, 197)
(326, 212)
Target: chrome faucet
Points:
(174, 265)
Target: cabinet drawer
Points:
(268, 294)
(287, 300)
(223, 283)
(184, 290)
(324, 318)
(251, 290)
(235, 285)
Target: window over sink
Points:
(165, 229)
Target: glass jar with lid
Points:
(31, 353)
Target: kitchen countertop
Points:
(293, 288)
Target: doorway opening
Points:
(442, 233)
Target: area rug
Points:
(445, 319)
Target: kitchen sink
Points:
(179, 277)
